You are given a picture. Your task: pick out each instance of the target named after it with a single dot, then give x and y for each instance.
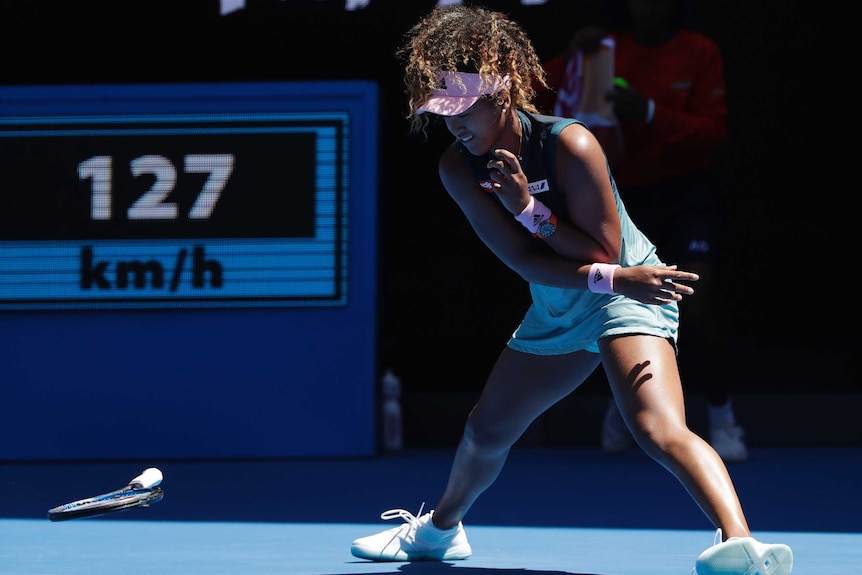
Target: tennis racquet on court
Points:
(142, 491)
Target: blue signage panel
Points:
(191, 265)
(133, 206)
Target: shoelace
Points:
(411, 522)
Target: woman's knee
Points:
(486, 435)
(660, 436)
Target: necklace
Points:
(520, 143)
(519, 155)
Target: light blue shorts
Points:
(563, 320)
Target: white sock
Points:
(722, 415)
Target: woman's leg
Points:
(644, 378)
(519, 389)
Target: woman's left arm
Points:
(593, 233)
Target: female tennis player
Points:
(538, 192)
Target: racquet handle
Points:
(148, 479)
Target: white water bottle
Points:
(391, 411)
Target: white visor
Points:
(457, 91)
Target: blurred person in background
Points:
(666, 94)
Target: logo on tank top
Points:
(532, 187)
(538, 187)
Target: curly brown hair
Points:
(473, 39)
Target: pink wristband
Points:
(534, 214)
(601, 278)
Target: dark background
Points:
(446, 305)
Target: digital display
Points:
(194, 263)
(169, 196)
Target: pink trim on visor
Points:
(457, 91)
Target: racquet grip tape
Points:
(148, 479)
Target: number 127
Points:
(152, 205)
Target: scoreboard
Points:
(174, 196)
(190, 265)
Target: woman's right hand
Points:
(655, 285)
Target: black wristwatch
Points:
(547, 228)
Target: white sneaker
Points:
(744, 556)
(616, 437)
(729, 442)
(415, 540)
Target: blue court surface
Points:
(572, 511)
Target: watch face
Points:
(547, 228)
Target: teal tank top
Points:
(564, 320)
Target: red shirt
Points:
(685, 79)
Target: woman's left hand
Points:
(656, 285)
